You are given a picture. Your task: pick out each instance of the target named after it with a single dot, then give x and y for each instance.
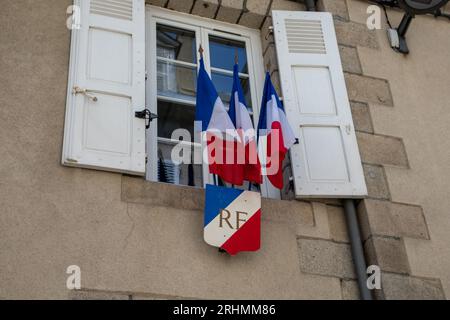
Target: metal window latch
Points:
(147, 115)
(297, 141)
(78, 90)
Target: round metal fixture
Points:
(414, 7)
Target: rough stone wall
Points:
(385, 222)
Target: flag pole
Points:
(200, 51)
(236, 61)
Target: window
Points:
(172, 61)
(111, 53)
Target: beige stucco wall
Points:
(137, 239)
(130, 238)
(420, 86)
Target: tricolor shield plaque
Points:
(232, 219)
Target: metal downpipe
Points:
(357, 248)
(310, 5)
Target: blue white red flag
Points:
(232, 219)
(274, 126)
(221, 135)
(240, 117)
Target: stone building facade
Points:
(135, 239)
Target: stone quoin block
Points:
(337, 7)
(355, 34)
(180, 5)
(320, 229)
(385, 150)
(338, 227)
(400, 287)
(230, 10)
(369, 90)
(361, 116)
(350, 59)
(205, 8)
(296, 213)
(350, 290)
(158, 3)
(387, 253)
(287, 5)
(376, 182)
(384, 218)
(254, 13)
(324, 257)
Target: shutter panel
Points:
(107, 87)
(326, 162)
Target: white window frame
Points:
(203, 28)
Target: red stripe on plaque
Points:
(244, 239)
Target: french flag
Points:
(221, 136)
(240, 117)
(273, 126)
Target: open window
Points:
(127, 57)
(173, 41)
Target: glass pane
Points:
(223, 52)
(176, 81)
(172, 116)
(224, 85)
(176, 44)
(182, 174)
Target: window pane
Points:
(176, 44)
(176, 81)
(223, 51)
(224, 85)
(172, 116)
(182, 174)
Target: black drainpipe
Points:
(352, 222)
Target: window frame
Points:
(203, 28)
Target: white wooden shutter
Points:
(107, 87)
(326, 162)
